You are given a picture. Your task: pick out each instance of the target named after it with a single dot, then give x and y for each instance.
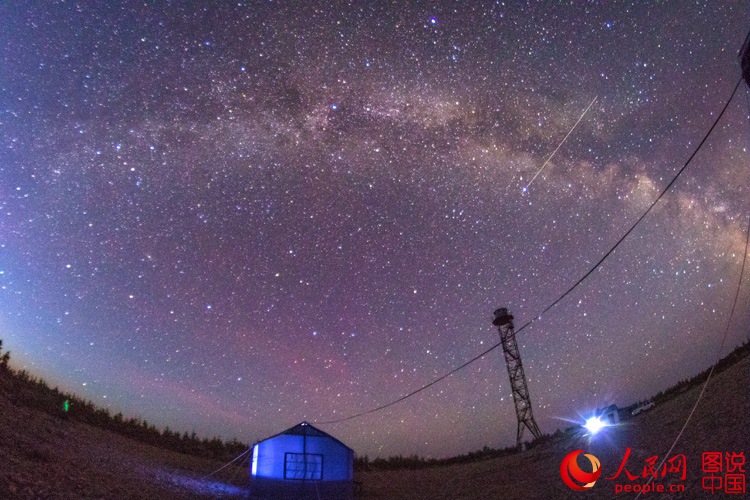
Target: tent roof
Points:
(306, 429)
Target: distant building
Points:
(302, 463)
(609, 415)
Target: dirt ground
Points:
(46, 457)
(719, 424)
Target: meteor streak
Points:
(526, 188)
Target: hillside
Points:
(44, 456)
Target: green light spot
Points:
(66, 406)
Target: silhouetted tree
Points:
(5, 357)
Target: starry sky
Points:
(230, 218)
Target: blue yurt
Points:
(302, 462)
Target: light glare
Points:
(594, 425)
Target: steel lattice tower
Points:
(504, 323)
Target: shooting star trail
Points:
(526, 187)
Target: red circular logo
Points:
(569, 470)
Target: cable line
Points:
(718, 355)
(227, 464)
(567, 292)
(745, 62)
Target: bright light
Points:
(594, 425)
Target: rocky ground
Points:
(48, 457)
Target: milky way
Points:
(233, 218)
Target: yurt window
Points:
(303, 466)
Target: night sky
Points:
(232, 218)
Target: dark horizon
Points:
(47, 398)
